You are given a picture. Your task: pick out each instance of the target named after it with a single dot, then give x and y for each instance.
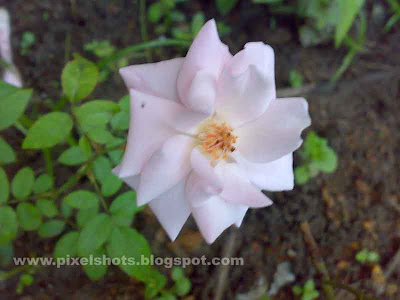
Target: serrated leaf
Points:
(4, 186)
(125, 241)
(51, 228)
(79, 78)
(100, 135)
(116, 156)
(101, 167)
(29, 216)
(47, 208)
(85, 147)
(82, 199)
(125, 204)
(111, 185)
(225, 6)
(22, 183)
(96, 271)
(7, 154)
(95, 234)
(73, 156)
(48, 131)
(67, 245)
(8, 225)
(120, 121)
(96, 113)
(43, 184)
(13, 102)
(348, 10)
(122, 220)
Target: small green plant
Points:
(28, 39)
(317, 157)
(100, 48)
(295, 79)
(308, 292)
(182, 286)
(367, 257)
(164, 14)
(395, 7)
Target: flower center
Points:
(216, 139)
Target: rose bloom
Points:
(207, 134)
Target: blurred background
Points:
(342, 56)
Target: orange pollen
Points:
(217, 140)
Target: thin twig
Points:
(224, 269)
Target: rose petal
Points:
(215, 215)
(244, 97)
(171, 209)
(131, 181)
(199, 190)
(165, 168)
(207, 53)
(157, 79)
(274, 176)
(275, 133)
(202, 166)
(239, 223)
(201, 95)
(153, 121)
(237, 188)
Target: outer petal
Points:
(215, 215)
(247, 85)
(171, 209)
(238, 189)
(153, 121)
(275, 133)
(201, 165)
(157, 79)
(206, 53)
(199, 190)
(165, 168)
(201, 95)
(274, 176)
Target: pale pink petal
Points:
(157, 79)
(198, 190)
(238, 189)
(202, 166)
(165, 168)
(153, 121)
(171, 209)
(274, 176)
(131, 181)
(207, 53)
(201, 95)
(239, 223)
(275, 133)
(216, 215)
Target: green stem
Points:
(98, 191)
(359, 294)
(60, 103)
(343, 67)
(48, 162)
(142, 46)
(20, 127)
(25, 121)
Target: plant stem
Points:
(142, 46)
(98, 191)
(48, 162)
(20, 127)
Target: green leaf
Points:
(82, 199)
(328, 162)
(84, 216)
(13, 102)
(155, 12)
(47, 208)
(8, 225)
(96, 271)
(373, 257)
(79, 78)
(309, 286)
(155, 284)
(125, 241)
(85, 147)
(26, 279)
(4, 186)
(96, 114)
(48, 131)
(297, 290)
(295, 79)
(29, 216)
(125, 204)
(120, 121)
(6, 254)
(177, 273)
(116, 156)
(348, 10)
(125, 103)
(66, 210)
(182, 287)
(101, 168)
(111, 185)
(22, 183)
(51, 228)
(225, 6)
(95, 234)
(43, 184)
(197, 22)
(67, 245)
(100, 135)
(7, 154)
(301, 175)
(122, 220)
(73, 156)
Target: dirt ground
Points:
(356, 207)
